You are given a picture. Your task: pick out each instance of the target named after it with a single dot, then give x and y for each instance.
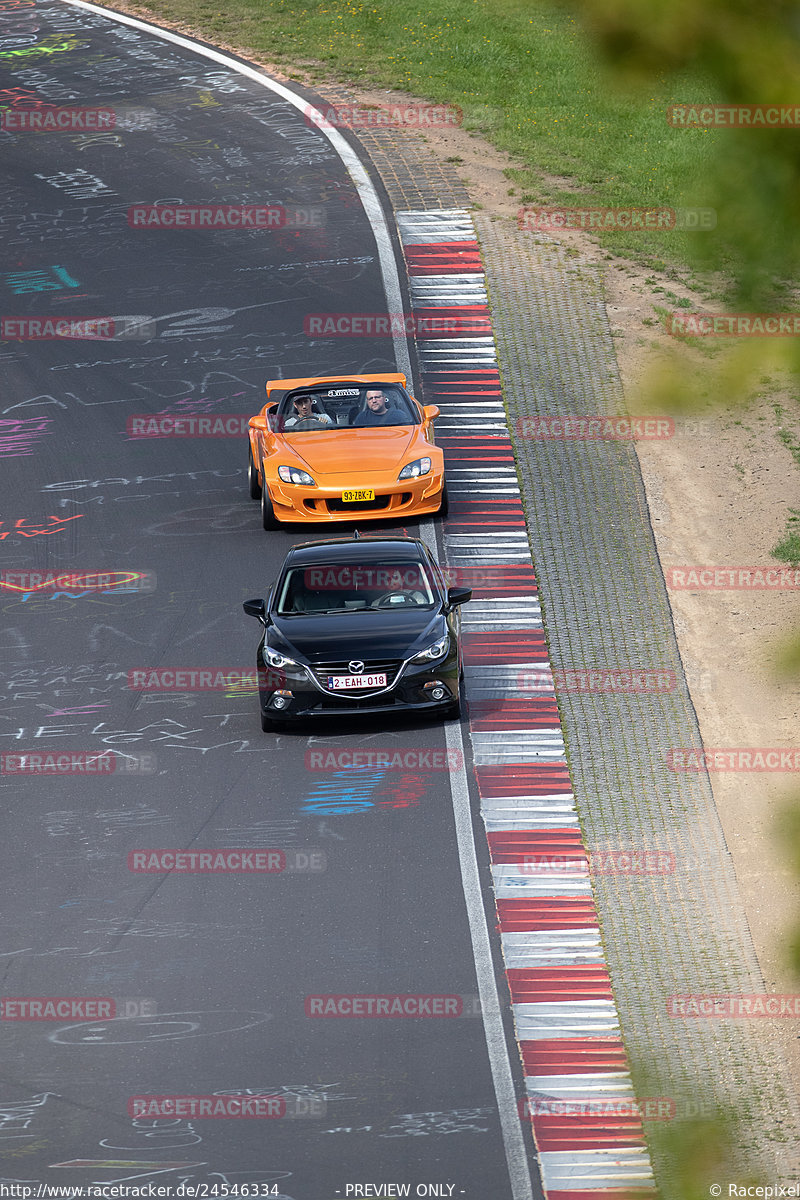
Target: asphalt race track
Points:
(209, 974)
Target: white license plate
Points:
(346, 683)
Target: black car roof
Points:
(362, 549)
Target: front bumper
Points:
(288, 698)
(323, 505)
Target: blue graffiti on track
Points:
(343, 792)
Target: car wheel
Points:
(252, 477)
(268, 518)
(444, 507)
(453, 713)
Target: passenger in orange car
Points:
(377, 412)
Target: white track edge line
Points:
(516, 1154)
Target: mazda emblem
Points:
(356, 667)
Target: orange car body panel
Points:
(346, 459)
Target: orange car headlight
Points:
(295, 475)
(420, 466)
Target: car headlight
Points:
(278, 660)
(295, 475)
(435, 651)
(420, 466)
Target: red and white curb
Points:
(566, 1021)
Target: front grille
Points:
(388, 667)
(339, 506)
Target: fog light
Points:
(438, 693)
(436, 690)
(280, 699)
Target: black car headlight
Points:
(434, 652)
(295, 475)
(279, 661)
(412, 470)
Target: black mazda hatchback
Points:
(359, 625)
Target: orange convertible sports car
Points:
(327, 449)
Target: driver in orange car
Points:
(303, 411)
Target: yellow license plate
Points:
(356, 494)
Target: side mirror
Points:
(458, 595)
(256, 608)
(431, 411)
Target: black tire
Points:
(444, 507)
(268, 518)
(454, 712)
(252, 477)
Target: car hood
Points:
(333, 451)
(369, 636)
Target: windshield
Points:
(356, 587)
(345, 406)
